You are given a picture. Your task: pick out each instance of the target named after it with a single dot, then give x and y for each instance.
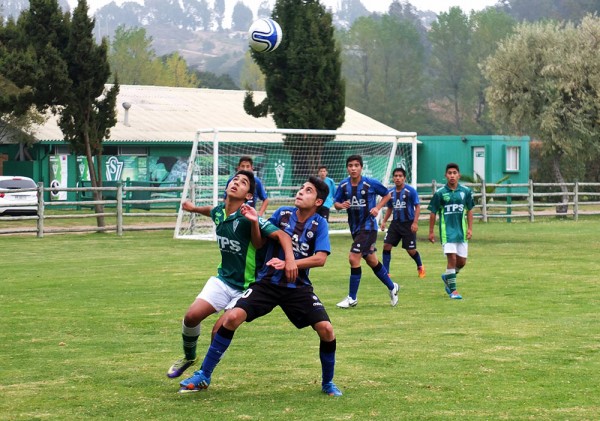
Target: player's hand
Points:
(432, 237)
(188, 206)
(276, 263)
(374, 212)
(469, 234)
(382, 225)
(414, 227)
(249, 212)
(345, 205)
(291, 270)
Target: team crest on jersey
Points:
(363, 192)
(446, 197)
(462, 195)
(310, 234)
(235, 224)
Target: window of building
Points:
(133, 150)
(512, 158)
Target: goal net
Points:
(283, 160)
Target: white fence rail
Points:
(493, 201)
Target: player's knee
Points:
(325, 331)
(234, 318)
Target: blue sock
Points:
(417, 259)
(387, 258)
(217, 348)
(355, 275)
(327, 356)
(383, 276)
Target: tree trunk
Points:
(96, 179)
(563, 206)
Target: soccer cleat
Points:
(448, 291)
(347, 303)
(195, 383)
(180, 366)
(455, 295)
(394, 295)
(331, 389)
(421, 270)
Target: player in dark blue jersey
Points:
(358, 195)
(246, 164)
(310, 239)
(404, 205)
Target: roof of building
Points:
(166, 114)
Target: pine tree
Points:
(303, 79)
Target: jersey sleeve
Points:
(469, 202)
(339, 194)
(390, 203)
(378, 187)
(434, 203)
(322, 242)
(414, 196)
(261, 193)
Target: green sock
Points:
(451, 281)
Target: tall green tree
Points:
(89, 108)
(303, 79)
(545, 81)
(451, 62)
(242, 17)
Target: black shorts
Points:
(364, 242)
(301, 305)
(401, 231)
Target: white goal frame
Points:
(232, 135)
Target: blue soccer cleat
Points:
(446, 284)
(455, 295)
(195, 383)
(180, 366)
(331, 389)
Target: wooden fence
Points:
(122, 206)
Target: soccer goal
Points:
(283, 160)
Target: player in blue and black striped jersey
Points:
(358, 195)
(404, 205)
(310, 239)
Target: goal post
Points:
(283, 159)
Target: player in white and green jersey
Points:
(454, 204)
(238, 240)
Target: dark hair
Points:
(452, 165)
(251, 179)
(321, 167)
(354, 158)
(322, 188)
(402, 170)
(245, 159)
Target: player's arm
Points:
(388, 213)
(190, 207)
(469, 224)
(415, 225)
(382, 203)
(431, 226)
(291, 268)
(316, 260)
(255, 235)
(263, 206)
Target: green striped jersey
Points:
(238, 255)
(451, 207)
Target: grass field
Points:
(91, 322)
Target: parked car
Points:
(22, 203)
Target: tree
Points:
(264, 9)
(176, 72)
(451, 63)
(88, 109)
(303, 79)
(242, 17)
(219, 13)
(133, 58)
(545, 81)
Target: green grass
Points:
(91, 322)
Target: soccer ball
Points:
(264, 35)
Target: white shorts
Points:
(460, 249)
(219, 295)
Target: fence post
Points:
(119, 208)
(530, 200)
(484, 210)
(508, 202)
(40, 210)
(576, 201)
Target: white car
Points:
(21, 203)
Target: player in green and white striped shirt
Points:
(454, 204)
(238, 240)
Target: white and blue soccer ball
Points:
(264, 35)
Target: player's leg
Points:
(383, 275)
(391, 239)
(354, 258)
(409, 243)
(449, 277)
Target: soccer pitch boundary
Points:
(91, 322)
